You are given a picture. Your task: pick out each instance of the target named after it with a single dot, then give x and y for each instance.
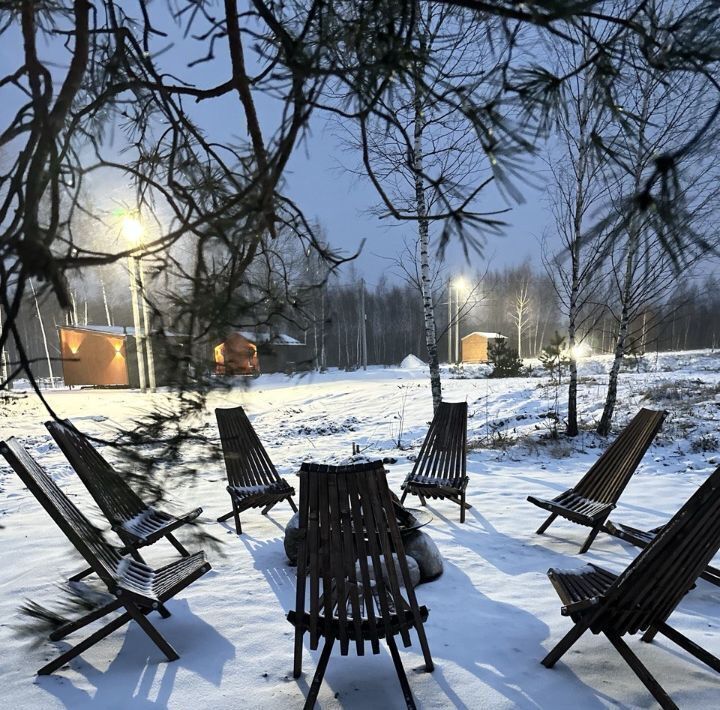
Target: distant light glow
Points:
(132, 229)
(580, 350)
(460, 283)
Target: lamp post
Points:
(460, 285)
(133, 230)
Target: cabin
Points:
(474, 346)
(95, 355)
(106, 356)
(248, 353)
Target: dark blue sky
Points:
(337, 199)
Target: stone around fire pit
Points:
(424, 558)
(412, 568)
(292, 538)
(421, 547)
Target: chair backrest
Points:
(246, 461)
(113, 495)
(87, 539)
(442, 455)
(646, 593)
(348, 534)
(610, 474)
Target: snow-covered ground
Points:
(493, 613)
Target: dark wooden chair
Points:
(135, 522)
(253, 480)
(643, 597)
(137, 588)
(596, 495)
(353, 583)
(440, 470)
(642, 538)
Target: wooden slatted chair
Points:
(253, 480)
(353, 582)
(592, 500)
(137, 588)
(440, 470)
(642, 538)
(642, 598)
(135, 522)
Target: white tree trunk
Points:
(44, 336)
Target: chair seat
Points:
(575, 507)
(635, 536)
(279, 488)
(152, 523)
(151, 586)
(431, 483)
(580, 589)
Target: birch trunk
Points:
(606, 420)
(424, 242)
(44, 336)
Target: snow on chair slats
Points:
(135, 522)
(642, 538)
(137, 588)
(596, 495)
(440, 470)
(353, 581)
(253, 480)
(642, 598)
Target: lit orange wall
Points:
(474, 348)
(90, 358)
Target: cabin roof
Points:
(489, 336)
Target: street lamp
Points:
(133, 231)
(460, 284)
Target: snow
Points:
(489, 336)
(412, 362)
(493, 612)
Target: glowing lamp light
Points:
(132, 230)
(580, 350)
(460, 283)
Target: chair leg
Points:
(84, 645)
(400, 670)
(649, 635)
(297, 658)
(462, 507)
(66, 629)
(319, 674)
(546, 524)
(591, 537)
(236, 513)
(422, 499)
(690, 646)
(177, 545)
(152, 632)
(403, 496)
(642, 672)
(429, 665)
(292, 504)
(81, 575)
(225, 517)
(564, 645)
(269, 507)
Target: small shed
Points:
(474, 346)
(236, 355)
(246, 353)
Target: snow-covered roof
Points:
(489, 336)
(107, 329)
(277, 339)
(118, 330)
